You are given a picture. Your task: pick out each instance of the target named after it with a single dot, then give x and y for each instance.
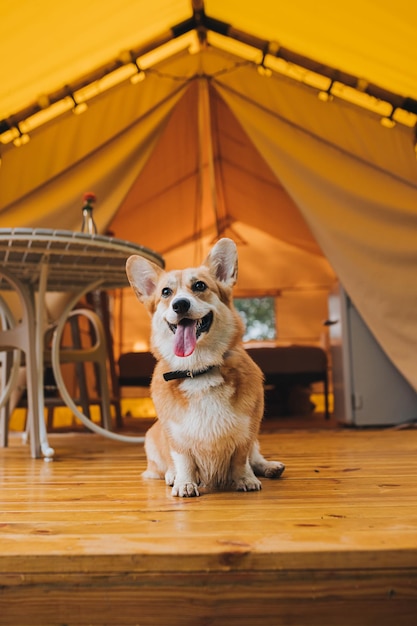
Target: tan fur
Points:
(206, 433)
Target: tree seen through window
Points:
(258, 315)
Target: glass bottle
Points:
(88, 224)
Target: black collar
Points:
(186, 373)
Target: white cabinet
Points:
(368, 388)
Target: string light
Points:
(127, 57)
(139, 76)
(22, 138)
(326, 95)
(388, 122)
(262, 69)
(79, 107)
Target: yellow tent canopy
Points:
(257, 121)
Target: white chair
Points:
(9, 370)
(20, 336)
(77, 353)
(96, 352)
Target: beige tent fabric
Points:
(46, 44)
(361, 208)
(42, 183)
(174, 191)
(372, 39)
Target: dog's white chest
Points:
(210, 418)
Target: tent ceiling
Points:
(349, 33)
(47, 45)
(173, 177)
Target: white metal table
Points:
(34, 262)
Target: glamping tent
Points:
(288, 127)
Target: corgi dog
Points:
(208, 393)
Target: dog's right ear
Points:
(143, 276)
(222, 261)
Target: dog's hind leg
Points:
(262, 467)
(157, 466)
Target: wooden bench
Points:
(283, 367)
(136, 369)
(286, 366)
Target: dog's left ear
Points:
(143, 276)
(222, 261)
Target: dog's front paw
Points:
(169, 478)
(185, 490)
(246, 483)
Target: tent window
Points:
(258, 315)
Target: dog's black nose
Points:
(181, 305)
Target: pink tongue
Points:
(185, 338)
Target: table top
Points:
(74, 258)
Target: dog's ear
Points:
(143, 276)
(222, 261)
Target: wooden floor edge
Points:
(325, 598)
(225, 561)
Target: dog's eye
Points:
(166, 292)
(199, 286)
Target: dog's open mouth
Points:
(187, 331)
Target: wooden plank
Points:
(86, 540)
(296, 598)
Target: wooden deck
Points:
(84, 540)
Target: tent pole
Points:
(206, 146)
